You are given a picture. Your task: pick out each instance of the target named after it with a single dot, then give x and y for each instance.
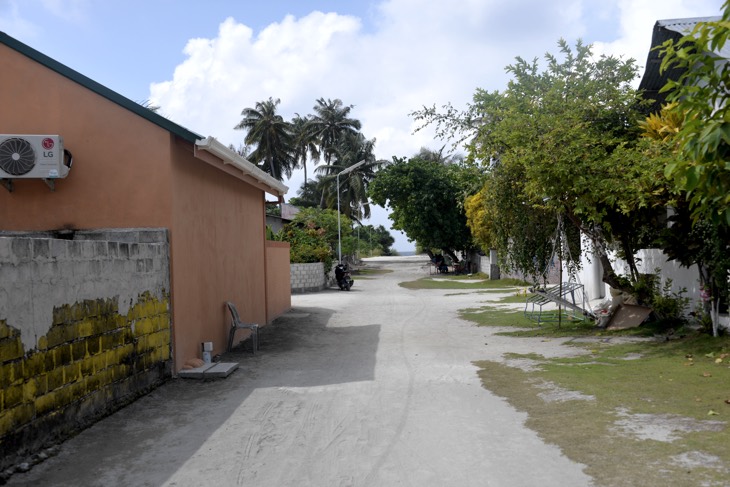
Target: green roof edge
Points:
(99, 89)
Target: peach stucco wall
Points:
(129, 172)
(278, 279)
(218, 236)
(121, 167)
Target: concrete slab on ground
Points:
(216, 370)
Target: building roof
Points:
(251, 172)
(664, 30)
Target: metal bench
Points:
(568, 295)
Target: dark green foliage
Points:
(313, 236)
(425, 197)
(272, 136)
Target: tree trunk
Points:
(595, 234)
(453, 256)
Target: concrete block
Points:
(75, 250)
(41, 248)
(196, 373)
(6, 245)
(101, 249)
(58, 249)
(210, 371)
(113, 249)
(21, 249)
(220, 370)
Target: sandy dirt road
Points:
(372, 387)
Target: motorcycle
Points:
(342, 275)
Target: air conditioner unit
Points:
(33, 156)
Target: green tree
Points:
(313, 236)
(425, 202)
(700, 169)
(309, 194)
(330, 122)
(382, 239)
(701, 95)
(271, 135)
(305, 142)
(373, 240)
(351, 149)
(555, 144)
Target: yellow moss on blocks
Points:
(34, 365)
(160, 339)
(99, 362)
(143, 326)
(106, 377)
(12, 418)
(5, 330)
(55, 378)
(30, 389)
(161, 354)
(84, 328)
(162, 306)
(62, 315)
(71, 373)
(45, 403)
(9, 373)
(13, 396)
(11, 348)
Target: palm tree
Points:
(305, 143)
(427, 154)
(352, 149)
(330, 122)
(271, 135)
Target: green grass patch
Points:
(515, 298)
(679, 387)
(525, 327)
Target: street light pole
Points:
(339, 230)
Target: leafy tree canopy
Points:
(272, 137)
(556, 143)
(702, 94)
(313, 235)
(425, 197)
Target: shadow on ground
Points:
(149, 440)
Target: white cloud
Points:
(13, 23)
(73, 10)
(417, 53)
(637, 19)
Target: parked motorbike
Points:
(342, 275)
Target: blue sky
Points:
(204, 61)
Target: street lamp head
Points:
(353, 167)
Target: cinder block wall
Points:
(307, 277)
(84, 329)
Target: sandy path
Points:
(373, 387)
